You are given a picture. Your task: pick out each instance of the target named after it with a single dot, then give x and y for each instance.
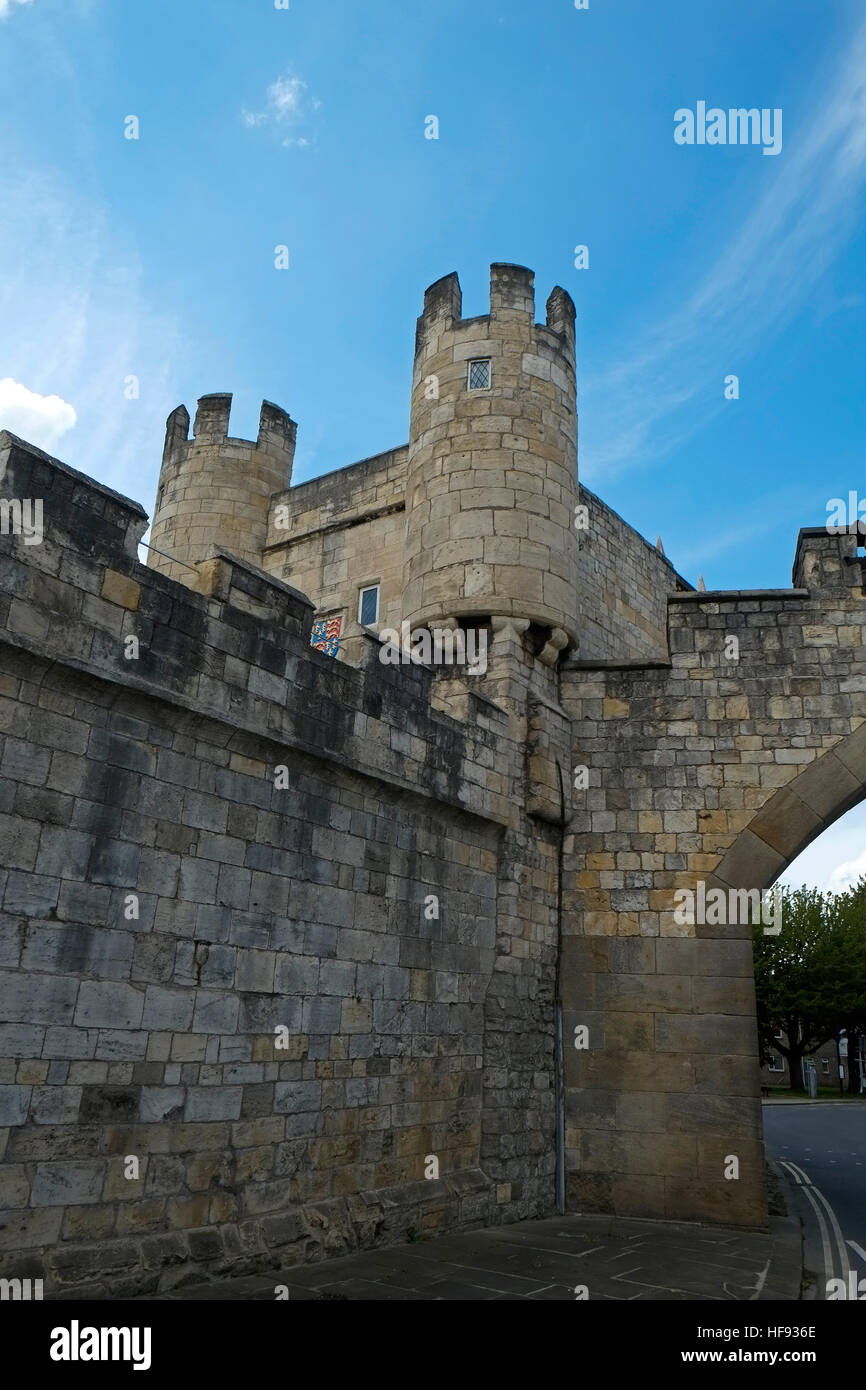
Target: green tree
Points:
(846, 971)
(793, 973)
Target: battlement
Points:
(75, 508)
(276, 436)
(512, 302)
(828, 558)
(215, 490)
(234, 645)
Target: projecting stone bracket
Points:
(556, 642)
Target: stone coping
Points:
(9, 441)
(737, 595)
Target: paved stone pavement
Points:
(547, 1260)
(817, 1100)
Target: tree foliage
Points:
(811, 978)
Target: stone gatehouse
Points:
(300, 953)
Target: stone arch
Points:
(796, 815)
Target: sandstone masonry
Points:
(276, 930)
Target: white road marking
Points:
(859, 1248)
(802, 1178)
(825, 1237)
(822, 1225)
(808, 1188)
(762, 1279)
(843, 1253)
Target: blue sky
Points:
(305, 127)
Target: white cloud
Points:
(836, 858)
(846, 874)
(284, 96)
(6, 6)
(803, 217)
(41, 420)
(286, 104)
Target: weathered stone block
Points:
(63, 853)
(108, 1104)
(14, 1186)
(215, 1013)
(37, 998)
(213, 1103)
(55, 1105)
(67, 1184)
(29, 1230)
(30, 895)
(167, 1009)
(113, 1005)
(14, 1104)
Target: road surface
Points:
(821, 1146)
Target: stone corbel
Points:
(508, 629)
(557, 640)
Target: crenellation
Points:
(277, 431)
(560, 315)
(212, 418)
(176, 434)
(512, 292)
(828, 559)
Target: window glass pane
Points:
(369, 606)
(479, 374)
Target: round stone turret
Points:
(492, 477)
(215, 491)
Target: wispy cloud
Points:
(78, 330)
(43, 420)
(6, 6)
(746, 524)
(798, 224)
(287, 109)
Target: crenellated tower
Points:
(215, 491)
(492, 474)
